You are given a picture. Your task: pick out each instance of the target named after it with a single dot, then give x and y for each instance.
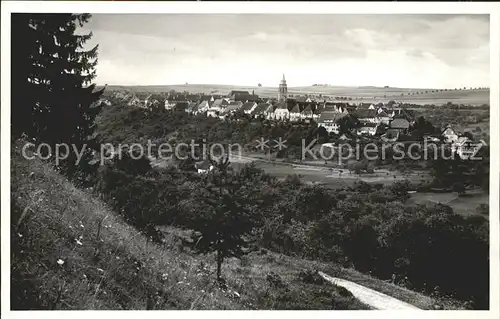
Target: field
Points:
(317, 173)
(335, 178)
(463, 205)
(365, 94)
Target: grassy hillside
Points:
(70, 251)
(368, 94)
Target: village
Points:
(388, 122)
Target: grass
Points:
(464, 205)
(70, 251)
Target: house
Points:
(449, 135)
(217, 107)
(307, 113)
(202, 107)
(368, 128)
(134, 101)
(203, 167)
(234, 92)
(465, 147)
(335, 107)
(400, 124)
(269, 111)
(260, 110)
(328, 120)
(382, 117)
(366, 115)
(244, 97)
(230, 109)
(409, 115)
(248, 107)
(281, 112)
(170, 104)
(294, 113)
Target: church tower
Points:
(283, 90)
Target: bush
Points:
(311, 277)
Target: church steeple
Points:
(283, 90)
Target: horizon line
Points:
(291, 87)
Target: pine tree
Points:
(53, 100)
(227, 223)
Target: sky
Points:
(410, 51)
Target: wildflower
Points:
(20, 235)
(78, 242)
(84, 276)
(164, 276)
(118, 258)
(60, 262)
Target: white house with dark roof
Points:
(328, 120)
(382, 117)
(217, 107)
(259, 110)
(281, 112)
(201, 107)
(307, 113)
(248, 107)
(366, 115)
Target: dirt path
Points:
(372, 298)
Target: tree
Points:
(459, 188)
(225, 225)
(422, 127)
(260, 85)
(53, 100)
(347, 123)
